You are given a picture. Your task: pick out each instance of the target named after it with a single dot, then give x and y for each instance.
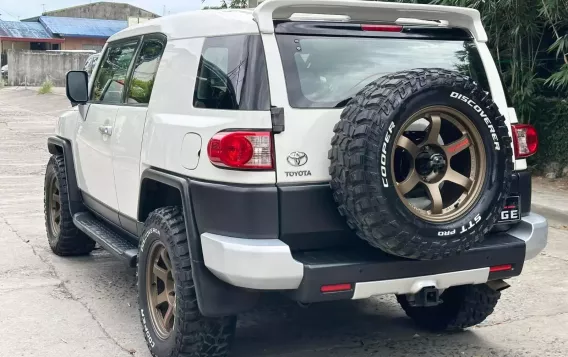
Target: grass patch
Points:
(46, 87)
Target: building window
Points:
(232, 74)
(109, 84)
(145, 69)
(97, 48)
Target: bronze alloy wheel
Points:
(54, 204)
(439, 164)
(160, 290)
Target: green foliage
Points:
(552, 126)
(559, 80)
(560, 46)
(46, 87)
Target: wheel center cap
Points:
(429, 162)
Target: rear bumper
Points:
(269, 264)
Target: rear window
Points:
(325, 72)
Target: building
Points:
(100, 10)
(81, 33)
(87, 27)
(15, 35)
(84, 27)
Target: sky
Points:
(10, 10)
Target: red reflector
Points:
(381, 28)
(241, 150)
(525, 140)
(497, 268)
(335, 288)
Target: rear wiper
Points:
(343, 102)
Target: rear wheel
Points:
(171, 320)
(64, 238)
(462, 307)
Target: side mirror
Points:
(77, 87)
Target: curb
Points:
(550, 213)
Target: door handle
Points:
(105, 130)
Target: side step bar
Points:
(110, 240)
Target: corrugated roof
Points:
(23, 30)
(76, 27)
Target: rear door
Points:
(126, 142)
(320, 66)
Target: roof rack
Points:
(447, 16)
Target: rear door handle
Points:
(105, 130)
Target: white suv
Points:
(326, 149)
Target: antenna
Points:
(43, 6)
(164, 14)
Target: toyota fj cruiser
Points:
(326, 149)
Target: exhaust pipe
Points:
(498, 285)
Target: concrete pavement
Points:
(550, 199)
(53, 307)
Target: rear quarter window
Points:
(232, 74)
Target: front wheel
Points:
(171, 320)
(64, 238)
(462, 307)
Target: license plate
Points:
(511, 211)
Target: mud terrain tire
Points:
(64, 238)
(363, 181)
(462, 307)
(192, 335)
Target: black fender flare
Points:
(59, 146)
(215, 298)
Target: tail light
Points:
(381, 28)
(247, 150)
(525, 140)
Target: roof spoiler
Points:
(269, 10)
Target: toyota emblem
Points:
(297, 158)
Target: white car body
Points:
(170, 134)
(113, 145)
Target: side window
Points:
(111, 76)
(232, 74)
(145, 68)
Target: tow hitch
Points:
(428, 296)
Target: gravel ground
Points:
(52, 306)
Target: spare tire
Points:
(421, 163)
